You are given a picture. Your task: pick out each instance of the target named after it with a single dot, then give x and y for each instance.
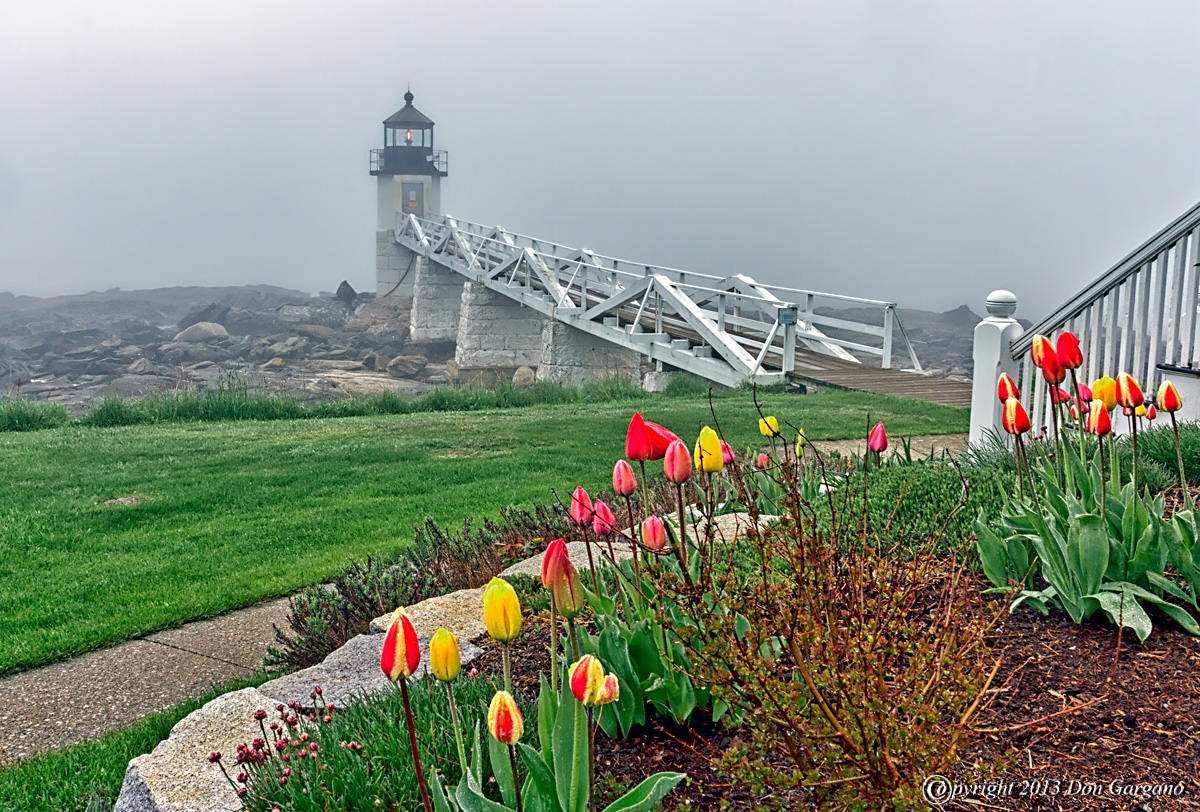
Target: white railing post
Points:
(889, 318)
(993, 338)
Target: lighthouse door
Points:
(412, 198)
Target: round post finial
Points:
(1001, 304)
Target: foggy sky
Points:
(923, 152)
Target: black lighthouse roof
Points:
(408, 116)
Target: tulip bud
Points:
(611, 690)
(1085, 392)
(401, 653)
(586, 679)
(1099, 423)
(581, 507)
(1129, 394)
(1015, 419)
(1040, 349)
(763, 461)
(568, 591)
(1068, 354)
(444, 659)
(1105, 390)
(877, 440)
(654, 533)
(726, 453)
(1168, 397)
(624, 482)
(708, 456)
(1151, 412)
(1074, 411)
(1006, 388)
(554, 550)
(1051, 371)
(801, 441)
(1140, 410)
(677, 464)
(603, 521)
(768, 426)
(637, 440)
(501, 611)
(1059, 395)
(504, 719)
(660, 440)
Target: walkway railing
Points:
(727, 329)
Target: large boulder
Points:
(406, 366)
(346, 293)
(523, 376)
(202, 332)
(212, 313)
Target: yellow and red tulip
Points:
(603, 521)
(1129, 394)
(581, 507)
(1168, 397)
(501, 611)
(1151, 412)
(1040, 349)
(568, 591)
(637, 440)
(444, 659)
(660, 440)
(877, 440)
(1015, 419)
(677, 463)
(1068, 354)
(1099, 423)
(611, 690)
(624, 482)
(1105, 390)
(586, 679)
(708, 455)
(401, 653)
(554, 550)
(1006, 388)
(654, 533)
(768, 426)
(504, 719)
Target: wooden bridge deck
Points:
(824, 370)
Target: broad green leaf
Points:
(1176, 613)
(1124, 610)
(992, 553)
(1087, 546)
(646, 795)
(470, 797)
(442, 802)
(541, 777)
(547, 710)
(502, 770)
(570, 753)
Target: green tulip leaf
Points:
(646, 795)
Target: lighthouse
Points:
(408, 173)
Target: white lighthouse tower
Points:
(409, 172)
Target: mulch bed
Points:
(1060, 727)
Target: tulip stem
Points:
(1183, 483)
(512, 760)
(1103, 478)
(587, 543)
(591, 734)
(571, 636)
(507, 668)
(637, 571)
(412, 743)
(1079, 407)
(462, 753)
(1133, 421)
(553, 645)
(682, 551)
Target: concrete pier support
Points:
(572, 357)
(395, 267)
(437, 301)
(495, 333)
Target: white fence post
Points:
(993, 337)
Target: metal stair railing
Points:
(727, 329)
(1137, 315)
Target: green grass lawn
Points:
(232, 513)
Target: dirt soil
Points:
(1063, 730)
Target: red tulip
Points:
(1129, 394)
(1085, 392)
(763, 461)
(726, 453)
(1015, 419)
(568, 591)
(1006, 388)
(603, 521)
(1051, 371)
(1151, 412)
(637, 440)
(654, 533)
(1099, 423)
(677, 463)
(877, 440)
(581, 507)
(1068, 354)
(1059, 395)
(554, 550)
(624, 482)
(1168, 397)
(401, 653)
(660, 440)
(1040, 349)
